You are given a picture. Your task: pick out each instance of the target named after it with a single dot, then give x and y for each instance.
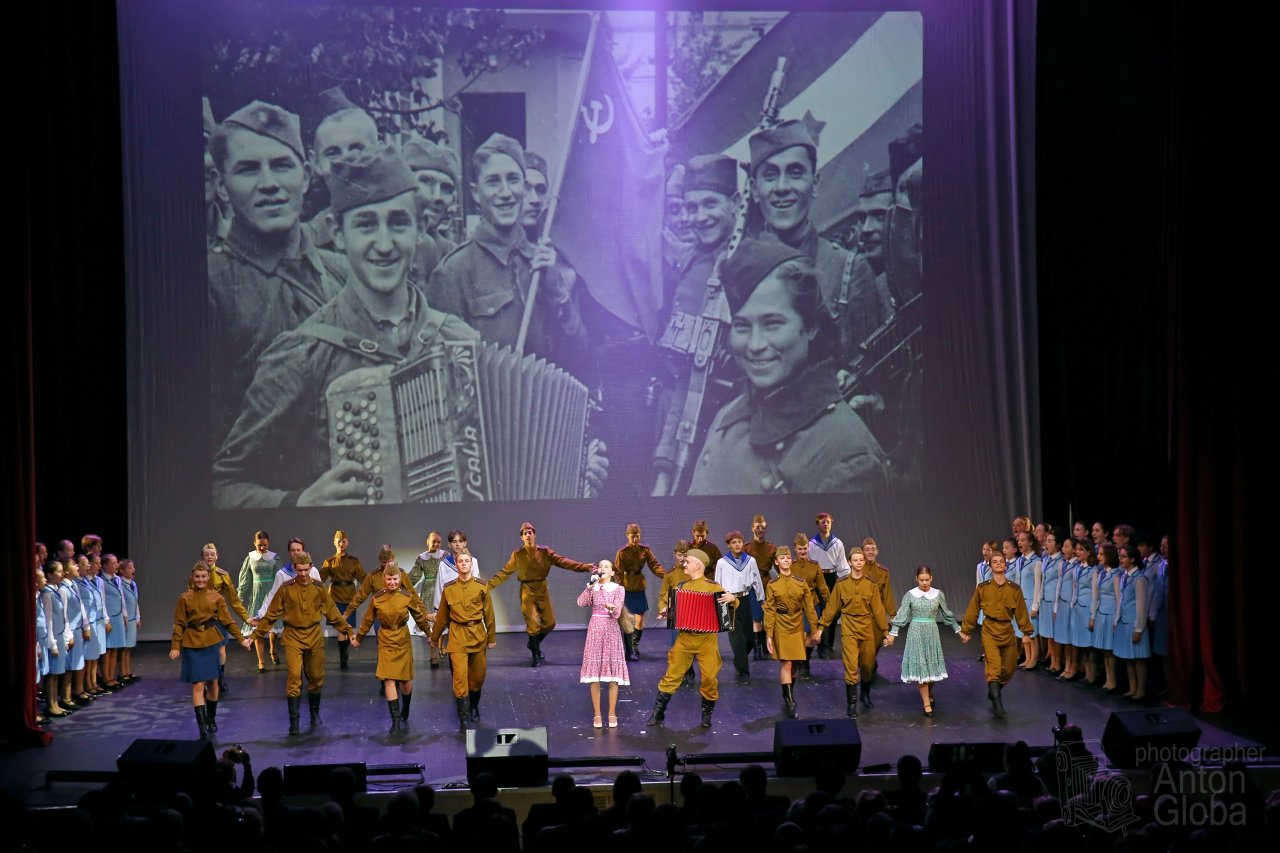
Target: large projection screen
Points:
(299, 365)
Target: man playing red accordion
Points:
(697, 624)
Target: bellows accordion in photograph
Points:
(467, 421)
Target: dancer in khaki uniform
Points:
(466, 611)
(391, 607)
(788, 607)
(1000, 601)
(856, 599)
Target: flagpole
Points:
(558, 174)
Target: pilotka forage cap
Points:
(699, 555)
(500, 143)
(536, 161)
(788, 134)
(876, 183)
(742, 271)
(372, 179)
(420, 154)
(271, 121)
(714, 172)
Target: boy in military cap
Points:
(784, 184)
(537, 192)
(710, 192)
(857, 600)
(531, 564)
(438, 172)
(340, 131)
(303, 605)
(1001, 603)
(268, 275)
(466, 612)
(690, 645)
(343, 573)
(486, 280)
(811, 573)
(378, 319)
(630, 562)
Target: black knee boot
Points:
(535, 640)
(639, 632)
(202, 721)
(313, 701)
(866, 694)
(708, 705)
(997, 700)
(405, 700)
(393, 707)
(789, 701)
(460, 704)
(222, 681)
(295, 713)
(344, 648)
(473, 706)
(211, 715)
(851, 700)
(659, 709)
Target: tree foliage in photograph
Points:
(286, 54)
(699, 57)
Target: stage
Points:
(254, 715)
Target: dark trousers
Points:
(742, 638)
(829, 635)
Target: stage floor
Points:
(254, 714)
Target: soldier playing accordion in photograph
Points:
(406, 304)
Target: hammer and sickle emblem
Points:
(592, 120)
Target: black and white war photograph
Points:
(497, 255)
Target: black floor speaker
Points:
(165, 766)
(988, 756)
(314, 778)
(516, 757)
(1147, 736)
(800, 747)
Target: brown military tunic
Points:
(392, 611)
(763, 553)
(532, 568)
(374, 583)
(690, 646)
(811, 573)
(857, 600)
(221, 583)
(879, 575)
(1000, 604)
(630, 562)
(672, 579)
(788, 603)
(343, 574)
(196, 617)
(466, 611)
(303, 607)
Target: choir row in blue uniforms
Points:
(86, 617)
(1092, 600)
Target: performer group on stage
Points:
(1074, 606)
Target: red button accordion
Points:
(699, 612)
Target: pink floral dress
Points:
(603, 657)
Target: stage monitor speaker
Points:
(314, 778)
(1144, 737)
(800, 747)
(988, 756)
(165, 766)
(516, 757)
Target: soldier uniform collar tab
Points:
(500, 246)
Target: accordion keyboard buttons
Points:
(357, 431)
